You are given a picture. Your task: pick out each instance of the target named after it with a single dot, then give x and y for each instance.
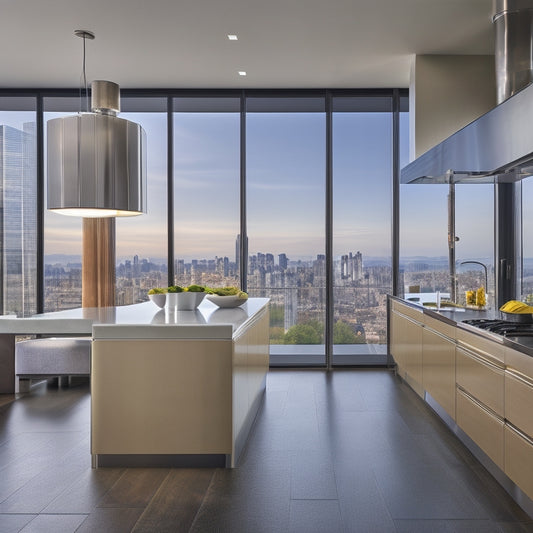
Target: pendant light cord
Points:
(84, 34)
(83, 81)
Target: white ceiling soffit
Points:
(281, 43)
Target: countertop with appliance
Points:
(487, 323)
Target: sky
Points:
(285, 166)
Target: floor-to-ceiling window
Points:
(62, 234)
(527, 240)
(285, 180)
(280, 192)
(18, 206)
(141, 242)
(474, 247)
(206, 191)
(362, 246)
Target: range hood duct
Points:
(498, 146)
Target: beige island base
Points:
(180, 392)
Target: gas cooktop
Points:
(507, 328)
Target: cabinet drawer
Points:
(439, 369)
(519, 459)
(520, 362)
(406, 348)
(481, 378)
(440, 327)
(482, 426)
(518, 402)
(492, 348)
(407, 310)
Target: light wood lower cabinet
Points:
(486, 386)
(484, 427)
(439, 369)
(519, 401)
(519, 459)
(406, 348)
(481, 378)
(177, 396)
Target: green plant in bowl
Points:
(157, 290)
(226, 296)
(195, 288)
(174, 289)
(227, 291)
(158, 295)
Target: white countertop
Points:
(125, 321)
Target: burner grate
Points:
(502, 327)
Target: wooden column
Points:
(98, 262)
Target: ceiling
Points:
(281, 43)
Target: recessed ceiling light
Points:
(242, 73)
(232, 37)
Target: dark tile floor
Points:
(353, 450)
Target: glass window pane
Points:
(141, 242)
(474, 230)
(62, 234)
(18, 206)
(424, 263)
(285, 169)
(527, 240)
(362, 180)
(206, 192)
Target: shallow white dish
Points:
(226, 301)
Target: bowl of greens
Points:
(227, 296)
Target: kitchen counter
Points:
(479, 382)
(455, 318)
(80, 321)
(208, 321)
(177, 388)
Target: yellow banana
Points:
(516, 307)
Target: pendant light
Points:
(96, 161)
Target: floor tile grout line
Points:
(211, 482)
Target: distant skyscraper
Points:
(290, 307)
(18, 219)
(238, 252)
(352, 266)
(283, 261)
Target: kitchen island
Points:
(480, 384)
(168, 388)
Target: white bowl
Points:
(226, 301)
(158, 299)
(188, 301)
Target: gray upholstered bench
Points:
(60, 357)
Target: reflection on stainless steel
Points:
(496, 147)
(513, 48)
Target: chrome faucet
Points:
(484, 266)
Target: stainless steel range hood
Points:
(498, 146)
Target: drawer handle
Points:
(482, 406)
(519, 377)
(515, 430)
(479, 358)
(439, 334)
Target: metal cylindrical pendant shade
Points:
(96, 166)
